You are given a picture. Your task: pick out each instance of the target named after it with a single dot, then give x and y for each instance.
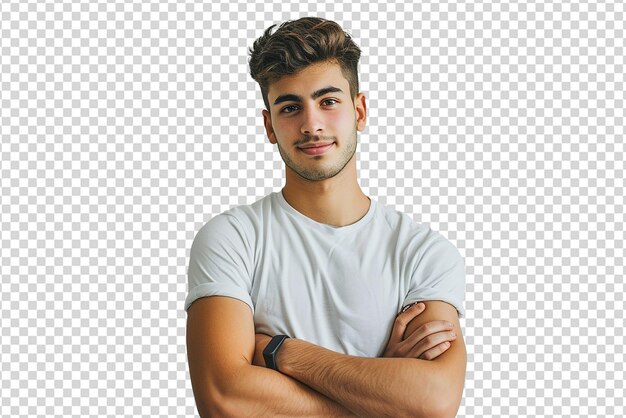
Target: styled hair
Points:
(297, 44)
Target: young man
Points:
(293, 300)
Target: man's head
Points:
(307, 73)
(299, 43)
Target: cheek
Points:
(335, 118)
(283, 127)
(341, 120)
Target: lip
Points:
(317, 150)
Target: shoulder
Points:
(437, 245)
(435, 254)
(417, 238)
(405, 228)
(241, 221)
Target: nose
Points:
(312, 123)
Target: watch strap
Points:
(271, 350)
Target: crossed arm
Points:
(314, 381)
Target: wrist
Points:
(282, 359)
(271, 351)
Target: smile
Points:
(316, 150)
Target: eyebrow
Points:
(315, 95)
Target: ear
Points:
(361, 111)
(269, 129)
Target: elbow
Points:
(433, 411)
(224, 406)
(214, 407)
(220, 398)
(442, 402)
(214, 404)
(205, 409)
(445, 412)
(208, 407)
(447, 406)
(446, 394)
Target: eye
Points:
(284, 109)
(328, 102)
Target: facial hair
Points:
(318, 169)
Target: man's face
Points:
(314, 107)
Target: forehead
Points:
(308, 80)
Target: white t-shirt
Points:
(337, 287)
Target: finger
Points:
(427, 329)
(435, 352)
(431, 342)
(409, 306)
(403, 319)
(411, 311)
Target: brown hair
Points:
(297, 44)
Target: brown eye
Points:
(284, 109)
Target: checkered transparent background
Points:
(126, 126)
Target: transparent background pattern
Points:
(125, 126)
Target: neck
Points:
(337, 201)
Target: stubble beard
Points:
(317, 169)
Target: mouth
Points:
(316, 145)
(317, 149)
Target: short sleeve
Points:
(220, 262)
(439, 274)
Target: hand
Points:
(261, 341)
(427, 342)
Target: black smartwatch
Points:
(270, 352)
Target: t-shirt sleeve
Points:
(220, 262)
(439, 274)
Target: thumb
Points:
(402, 320)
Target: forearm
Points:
(264, 392)
(377, 387)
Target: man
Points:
(293, 301)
